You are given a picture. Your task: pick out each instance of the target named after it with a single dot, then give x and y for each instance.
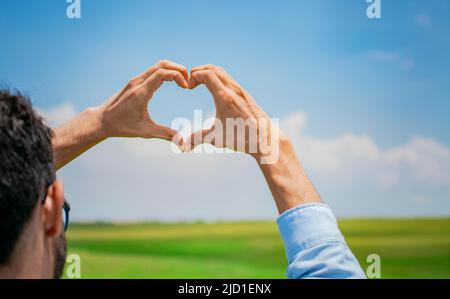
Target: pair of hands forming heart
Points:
(126, 113)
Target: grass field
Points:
(408, 249)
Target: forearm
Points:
(314, 244)
(315, 247)
(77, 136)
(288, 182)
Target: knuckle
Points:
(159, 73)
(229, 99)
(225, 96)
(194, 76)
(178, 76)
(209, 73)
(163, 62)
(133, 82)
(222, 94)
(135, 93)
(219, 68)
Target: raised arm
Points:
(314, 245)
(123, 115)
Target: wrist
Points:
(279, 148)
(287, 180)
(96, 122)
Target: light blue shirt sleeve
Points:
(315, 247)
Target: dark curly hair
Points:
(26, 166)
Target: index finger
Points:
(156, 80)
(209, 79)
(165, 64)
(222, 74)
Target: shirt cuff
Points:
(306, 226)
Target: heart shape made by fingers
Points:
(126, 114)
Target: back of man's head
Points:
(26, 167)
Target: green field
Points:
(408, 249)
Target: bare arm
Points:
(285, 176)
(123, 115)
(288, 182)
(77, 136)
(315, 248)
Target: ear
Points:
(52, 212)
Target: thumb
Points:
(163, 132)
(197, 138)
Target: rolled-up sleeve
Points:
(315, 247)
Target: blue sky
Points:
(384, 79)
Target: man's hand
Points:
(286, 178)
(235, 111)
(124, 115)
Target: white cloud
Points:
(391, 57)
(58, 115)
(351, 157)
(136, 179)
(427, 161)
